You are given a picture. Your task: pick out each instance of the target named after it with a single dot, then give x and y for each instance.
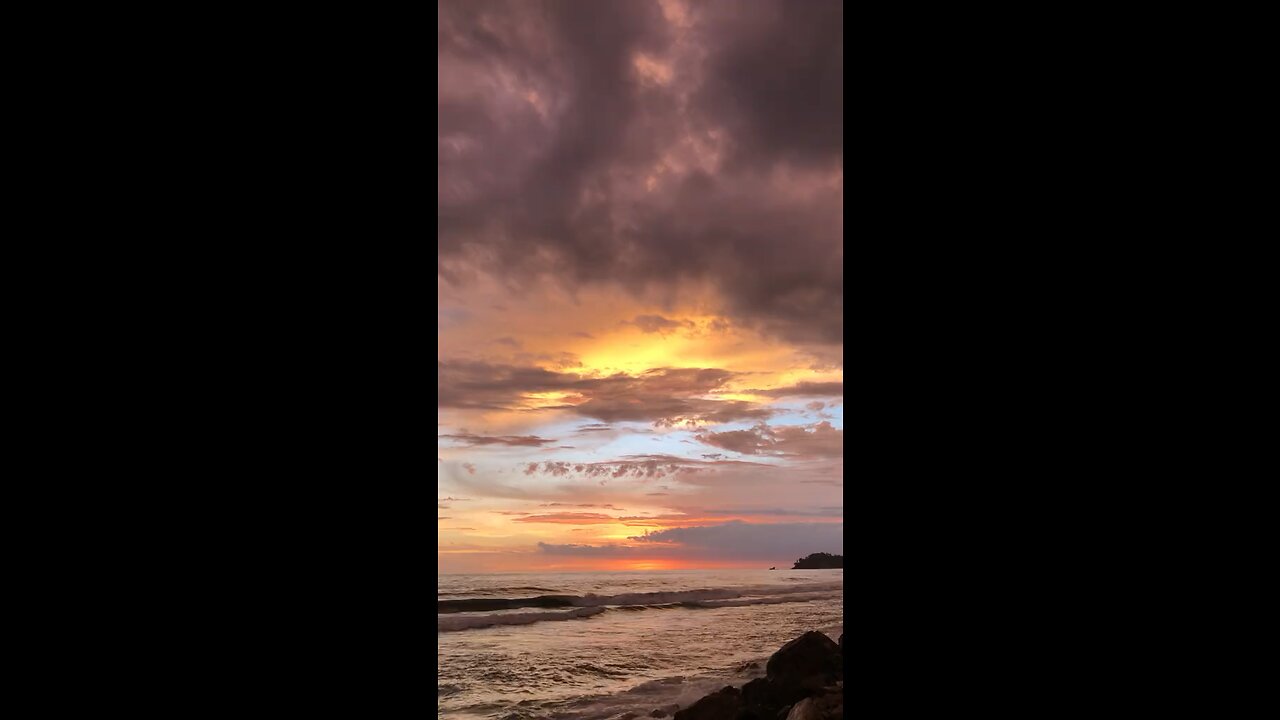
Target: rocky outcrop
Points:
(803, 666)
(803, 681)
(806, 709)
(721, 705)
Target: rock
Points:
(722, 705)
(782, 714)
(758, 696)
(806, 709)
(658, 713)
(830, 706)
(803, 666)
(815, 684)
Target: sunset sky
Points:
(640, 283)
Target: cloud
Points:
(820, 512)
(471, 469)
(748, 540)
(805, 388)
(508, 341)
(778, 542)
(657, 323)
(603, 142)
(748, 442)
(587, 550)
(633, 466)
(568, 518)
(665, 396)
(514, 441)
(775, 76)
(818, 440)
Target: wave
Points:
(760, 601)
(644, 598)
(470, 622)
(522, 588)
(483, 604)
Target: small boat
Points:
(773, 568)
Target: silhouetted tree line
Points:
(818, 561)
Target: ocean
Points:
(614, 645)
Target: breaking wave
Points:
(469, 622)
(644, 598)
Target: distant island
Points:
(819, 561)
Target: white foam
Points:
(469, 622)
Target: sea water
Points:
(588, 646)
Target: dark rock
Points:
(806, 709)
(759, 697)
(814, 684)
(803, 666)
(784, 712)
(658, 713)
(830, 706)
(722, 705)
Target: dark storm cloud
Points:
(666, 396)
(775, 74)
(510, 440)
(549, 125)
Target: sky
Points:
(640, 284)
